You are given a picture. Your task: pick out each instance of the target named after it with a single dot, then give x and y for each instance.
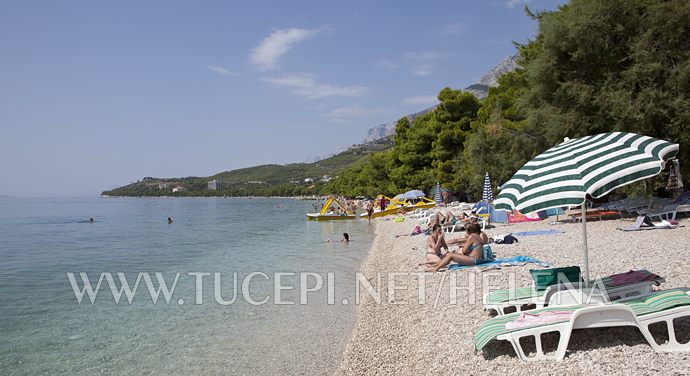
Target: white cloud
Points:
(429, 100)
(453, 30)
(342, 114)
(423, 55)
(305, 85)
(221, 70)
(513, 3)
(423, 70)
(387, 64)
(269, 51)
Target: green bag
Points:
(544, 278)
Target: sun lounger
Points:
(502, 301)
(666, 212)
(644, 222)
(658, 307)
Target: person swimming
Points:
(90, 220)
(345, 239)
(170, 221)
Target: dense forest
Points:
(593, 67)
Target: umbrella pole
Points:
(584, 243)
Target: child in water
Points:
(345, 239)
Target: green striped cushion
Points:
(503, 296)
(656, 302)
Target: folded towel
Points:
(527, 319)
(632, 276)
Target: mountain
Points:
(291, 179)
(387, 129)
(480, 89)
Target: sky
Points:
(98, 94)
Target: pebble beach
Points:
(431, 332)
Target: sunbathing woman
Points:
(434, 245)
(471, 251)
(460, 241)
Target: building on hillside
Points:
(179, 189)
(163, 185)
(214, 185)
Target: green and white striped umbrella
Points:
(591, 166)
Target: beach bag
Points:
(488, 253)
(508, 239)
(546, 277)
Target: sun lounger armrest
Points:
(605, 315)
(569, 297)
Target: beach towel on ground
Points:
(511, 261)
(538, 232)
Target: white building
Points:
(163, 185)
(178, 189)
(214, 185)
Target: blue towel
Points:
(515, 260)
(539, 232)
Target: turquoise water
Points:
(45, 330)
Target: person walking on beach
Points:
(370, 210)
(382, 203)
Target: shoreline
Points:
(406, 337)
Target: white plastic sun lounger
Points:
(658, 307)
(502, 301)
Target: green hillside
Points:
(294, 179)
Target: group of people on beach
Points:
(470, 246)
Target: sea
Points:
(231, 286)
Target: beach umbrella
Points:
(412, 194)
(487, 193)
(437, 194)
(589, 167)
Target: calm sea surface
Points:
(44, 330)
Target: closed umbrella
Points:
(487, 193)
(588, 167)
(437, 194)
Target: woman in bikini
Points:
(434, 245)
(471, 251)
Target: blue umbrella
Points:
(437, 195)
(487, 193)
(412, 194)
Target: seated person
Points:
(461, 240)
(434, 244)
(470, 252)
(445, 220)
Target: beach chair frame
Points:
(599, 316)
(554, 295)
